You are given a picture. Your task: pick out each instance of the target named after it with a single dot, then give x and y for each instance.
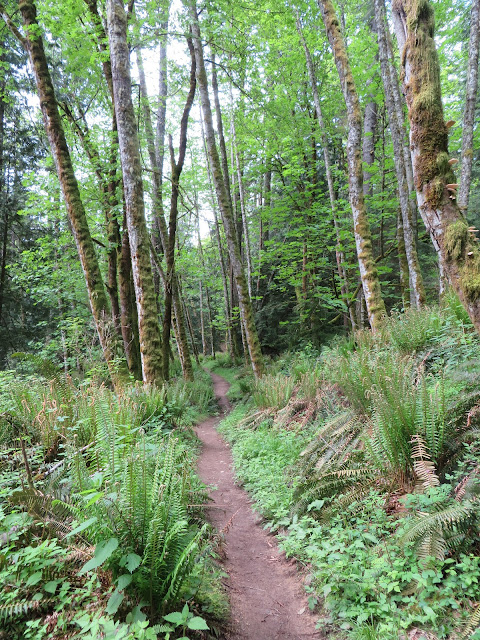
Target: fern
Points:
(445, 528)
(472, 624)
(422, 465)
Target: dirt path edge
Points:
(266, 595)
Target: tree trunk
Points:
(221, 135)
(177, 168)
(110, 344)
(403, 263)
(368, 270)
(470, 103)
(246, 309)
(434, 178)
(370, 120)
(407, 206)
(149, 331)
(243, 209)
(128, 308)
(161, 237)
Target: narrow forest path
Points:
(266, 596)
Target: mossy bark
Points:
(110, 343)
(456, 247)
(407, 205)
(149, 330)
(245, 303)
(128, 308)
(366, 262)
(471, 91)
(161, 239)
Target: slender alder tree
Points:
(176, 170)
(363, 239)
(245, 303)
(161, 239)
(148, 326)
(33, 43)
(471, 91)
(407, 205)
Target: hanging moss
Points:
(429, 132)
(461, 248)
(456, 240)
(470, 277)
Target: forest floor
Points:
(267, 599)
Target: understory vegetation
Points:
(102, 533)
(365, 459)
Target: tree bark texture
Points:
(434, 179)
(245, 303)
(407, 206)
(368, 270)
(471, 91)
(177, 167)
(161, 239)
(110, 344)
(149, 331)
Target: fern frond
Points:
(472, 624)
(422, 465)
(447, 522)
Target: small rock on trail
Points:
(266, 596)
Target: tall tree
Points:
(471, 91)
(407, 206)
(434, 178)
(245, 303)
(366, 262)
(149, 330)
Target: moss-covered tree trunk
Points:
(434, 179)
(177, 167)
(148, 327)
(128, 309)
(245, 303)
(110, 343)
(471, 91)
(407, 205)
(363, 241)
(161, 239)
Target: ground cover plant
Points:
(366, 458)
(102, 532)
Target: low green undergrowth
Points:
(102, 531)
(366, 457)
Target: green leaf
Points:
(96, 497)
(175, 617)
(197, 624)
(130, 562)
(123, 581)
(114, 602)
(103, 551)
(34, 578)
(51, 586)
(81, 527)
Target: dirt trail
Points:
(266, 596)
